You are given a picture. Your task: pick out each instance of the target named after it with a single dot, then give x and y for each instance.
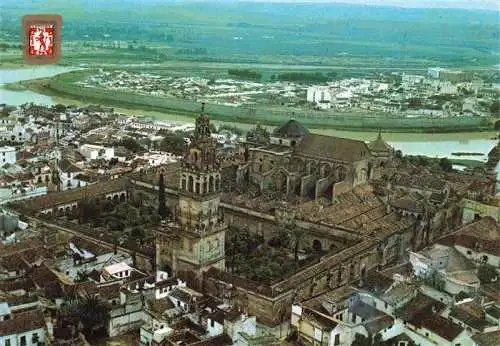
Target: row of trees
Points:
(305, 77)
(443, 164)
(245, 74)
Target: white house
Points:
(447, 268)
(24, 328)
(164, 286)
(68, 173)
(7, 155)
(8, 195)
(117, 271)
(95, 152)
(185, 298)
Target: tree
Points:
(497, 125)
(162, 205)
(361, 340)
(173, 143)
(297, 235)
(81, 276)
(445, 164)
(495, 108)
(93, 314)
(130, 144)
(487, 274)
(60, 107)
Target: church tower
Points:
(201, 231)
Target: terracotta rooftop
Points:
(159, 306)
(109, 291)
(66, 166)
(487, 339)
(327, 263)
(491, 290)
(419, 308)
(484, 234)
(439, 325)
(330, 298)
(219, 340)
(388, 225)
(419, 181)
(22, 322)
(468, 319)
(317, 318)
(333, 148)
(376, 325)
(65, 197)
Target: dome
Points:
(379, 145)
(292, 129)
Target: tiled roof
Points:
(22, 322)
(219, 340)
(66, 166)
(440, 326)
(365, 311)
(53, 199)
(376, 325)
(408, 204)
(43, 276)
(484, 234)
(159, 306)
(334, 148)
(491, 290)
(218, 316)
(110, 291)
(318, 318)
(487, 339)
(17, 284)
(420, 181)
(468, 319)
(13, 263)
(181, 295)
(379, 145)
(419, 307)
(326, 264)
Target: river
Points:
(433, 145)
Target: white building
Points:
(68, 174)
(8, 195)
(95, 152)
(24, 328)
(320, 94)
(434, 72)
(8, 155)
(117, 271)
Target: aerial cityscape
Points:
(251, 173)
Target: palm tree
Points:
(297, 234)
(93, 314)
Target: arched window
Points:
(211, 186)
(190, 184)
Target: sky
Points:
(492, 5)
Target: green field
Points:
(344, 36)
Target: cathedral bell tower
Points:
(202, 230)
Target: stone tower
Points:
(200, 229)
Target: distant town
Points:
(440, 93)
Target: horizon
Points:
(483, 5)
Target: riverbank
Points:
(63, 87)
